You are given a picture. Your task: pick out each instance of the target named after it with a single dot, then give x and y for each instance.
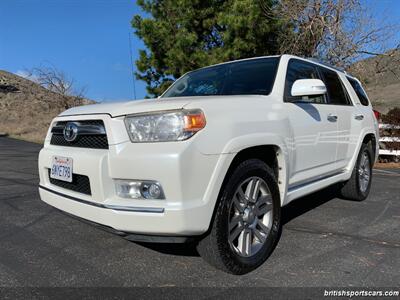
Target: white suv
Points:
(214, 158)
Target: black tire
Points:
(351, 189)
(215, 248)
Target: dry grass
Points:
(26, 109)
(388, 165)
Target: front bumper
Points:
(169, 222)
(190, 181)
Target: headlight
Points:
(164, 126)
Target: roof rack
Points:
(327, 65)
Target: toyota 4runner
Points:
(216, 157)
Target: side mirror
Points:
(308, 87)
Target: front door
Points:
(314, 125)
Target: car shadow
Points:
(310, 109)
(186, 249)
(307, 203)
(291, 211)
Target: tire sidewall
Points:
(252, 169)
(364, 149)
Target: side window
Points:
(334, 86)
(359, 91)
(298, 69)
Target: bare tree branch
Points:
(57, 81)
(338, 32)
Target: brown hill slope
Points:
(381, 78)
(26, 108)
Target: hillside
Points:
(26, 108)
(381, 78)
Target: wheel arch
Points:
(371, 138)
(273, 155)
(365, 137)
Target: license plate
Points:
(61, 168)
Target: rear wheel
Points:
(359, 184)
(246, 226)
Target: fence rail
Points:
(389, 139)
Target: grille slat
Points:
(91, 141)
(98, 141)
(80, 184)
(85, 122)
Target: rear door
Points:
(347, 122)
(361, 116)
(314, 126)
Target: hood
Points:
(130, 107)
(149, 105)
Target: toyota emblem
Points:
(70, 132)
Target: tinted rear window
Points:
(334, 87)
(359, 91)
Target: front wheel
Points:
(358, 186)
(247, 221)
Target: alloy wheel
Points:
(364, 172)
(251, 217)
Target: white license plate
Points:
(61, 168)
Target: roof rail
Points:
(326, 64)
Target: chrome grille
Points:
(91, 134)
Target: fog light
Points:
(151, 191)
(139, 189)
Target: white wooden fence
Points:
(388, 139)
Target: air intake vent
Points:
(80, 184)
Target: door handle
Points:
(332, 118)
(359, 117)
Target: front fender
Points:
(240, 143)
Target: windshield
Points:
(248, 77)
